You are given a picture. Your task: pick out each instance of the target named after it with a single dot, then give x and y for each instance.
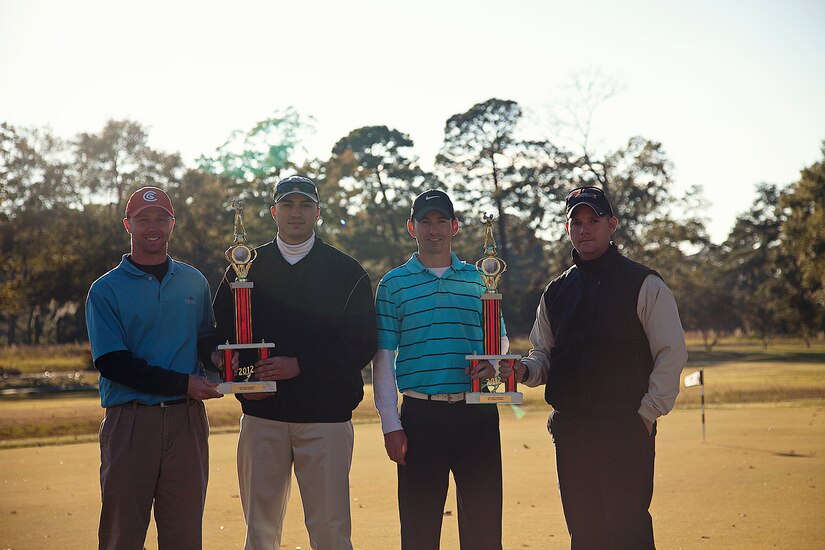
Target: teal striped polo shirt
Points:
(433, 322)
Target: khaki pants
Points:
(153, 455)
(321, 454)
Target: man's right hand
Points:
(396, 445)
(504, 370)
(200, 388)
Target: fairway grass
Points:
(38, 359)
(65, 418)
(756, 483)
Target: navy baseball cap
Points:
(296, 184)
(592, 197)
(432, 200)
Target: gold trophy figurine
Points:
(491, 269)
(240, 257)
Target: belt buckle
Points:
(455, 397)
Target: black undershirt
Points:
(158, 271)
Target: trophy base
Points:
(499, 398)
(247, 387)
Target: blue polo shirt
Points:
(160, 323)
(433, 322)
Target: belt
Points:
(162, 404)
(448, 397)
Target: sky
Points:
(731, 89)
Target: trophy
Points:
(491, 269)
(240, 257)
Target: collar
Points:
(414, 265)
(300, 249)
(601, 263)
(129, 268)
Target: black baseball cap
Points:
(592, 197)
(296, 184)
(432, 200)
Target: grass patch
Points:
(758, 381)
(737, 372)
(39, 359)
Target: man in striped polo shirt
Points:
(429, 319)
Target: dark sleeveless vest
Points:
(601, 359)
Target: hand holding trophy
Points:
(240, 257)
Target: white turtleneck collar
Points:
(294, 253)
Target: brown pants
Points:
(154, 455)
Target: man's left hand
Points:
(648, 425)
(277, 368)
(483, 370)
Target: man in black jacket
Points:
(315, 303)
(608, 343)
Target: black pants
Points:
(605, 469)
(444, 437)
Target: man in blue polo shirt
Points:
(146, 319)
(429, 320)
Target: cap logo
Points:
(150, 196)
(431, 197)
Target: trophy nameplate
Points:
(240, 257)
(491, 269)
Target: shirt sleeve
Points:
(657, 311)
(124, 368)
(386, 312)
(542, 341)
(207, 339)
(106, 332)
(385, 390)
(223, 308)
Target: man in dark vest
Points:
(609, 345)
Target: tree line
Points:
(62, 202)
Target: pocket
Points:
(204, 418)
(553, 425)
(107, 426)
(644, 426)
(103, 440)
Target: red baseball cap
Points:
(148, 196)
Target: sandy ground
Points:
(758, 482)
